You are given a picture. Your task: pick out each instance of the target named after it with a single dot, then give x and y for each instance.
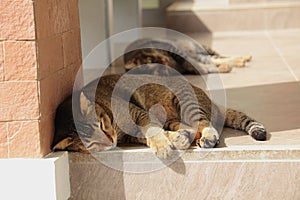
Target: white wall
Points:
(123, 15)
(92, 23)
(127, 15)
(36, 179)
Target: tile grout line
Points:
(8, 141)
(3, 60)
(280, 55)
(16, 132)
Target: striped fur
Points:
(185, 56)
(184, 118)
(239, 120)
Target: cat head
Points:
(94, 126)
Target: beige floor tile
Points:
(237, 139)
(294, 65)
(260, 71)
(286, 42)
(267, 66)
(276, 105)
(282, 18)
(257, 45)
(266, 88)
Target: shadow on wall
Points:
(155, 17)
(189, 24)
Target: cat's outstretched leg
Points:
(159, 143)
(180, 135)
(234, 61)
(221, 68)
(70, 143)
(156, 137)
(205, 63)
(180, 139)
(205, 135)
(218, 58)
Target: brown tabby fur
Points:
(185, 56)
(98, 131)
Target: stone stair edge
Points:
(186, 6)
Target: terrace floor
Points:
(267, 89)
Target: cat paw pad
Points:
(160, 145)
(181, 139)
(209, 138)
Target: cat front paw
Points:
(209, 138)
(71, 143)
(181, 139)
(159, 143)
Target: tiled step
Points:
(196, 180)
(236, 1)
(191, 179)
(194, 17)
(256, 1)
(232, 172)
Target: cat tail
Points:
(240, 121)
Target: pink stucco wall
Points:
(40, 54)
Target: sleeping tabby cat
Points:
(184, 122)
(186, 56)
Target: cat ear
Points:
(106, 123)
(85, 104)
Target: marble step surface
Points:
(255, 1)
(207, 180)
(240, 167)
(188, 16)
(258, 170)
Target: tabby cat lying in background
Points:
(106, 133)
(185, 56)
